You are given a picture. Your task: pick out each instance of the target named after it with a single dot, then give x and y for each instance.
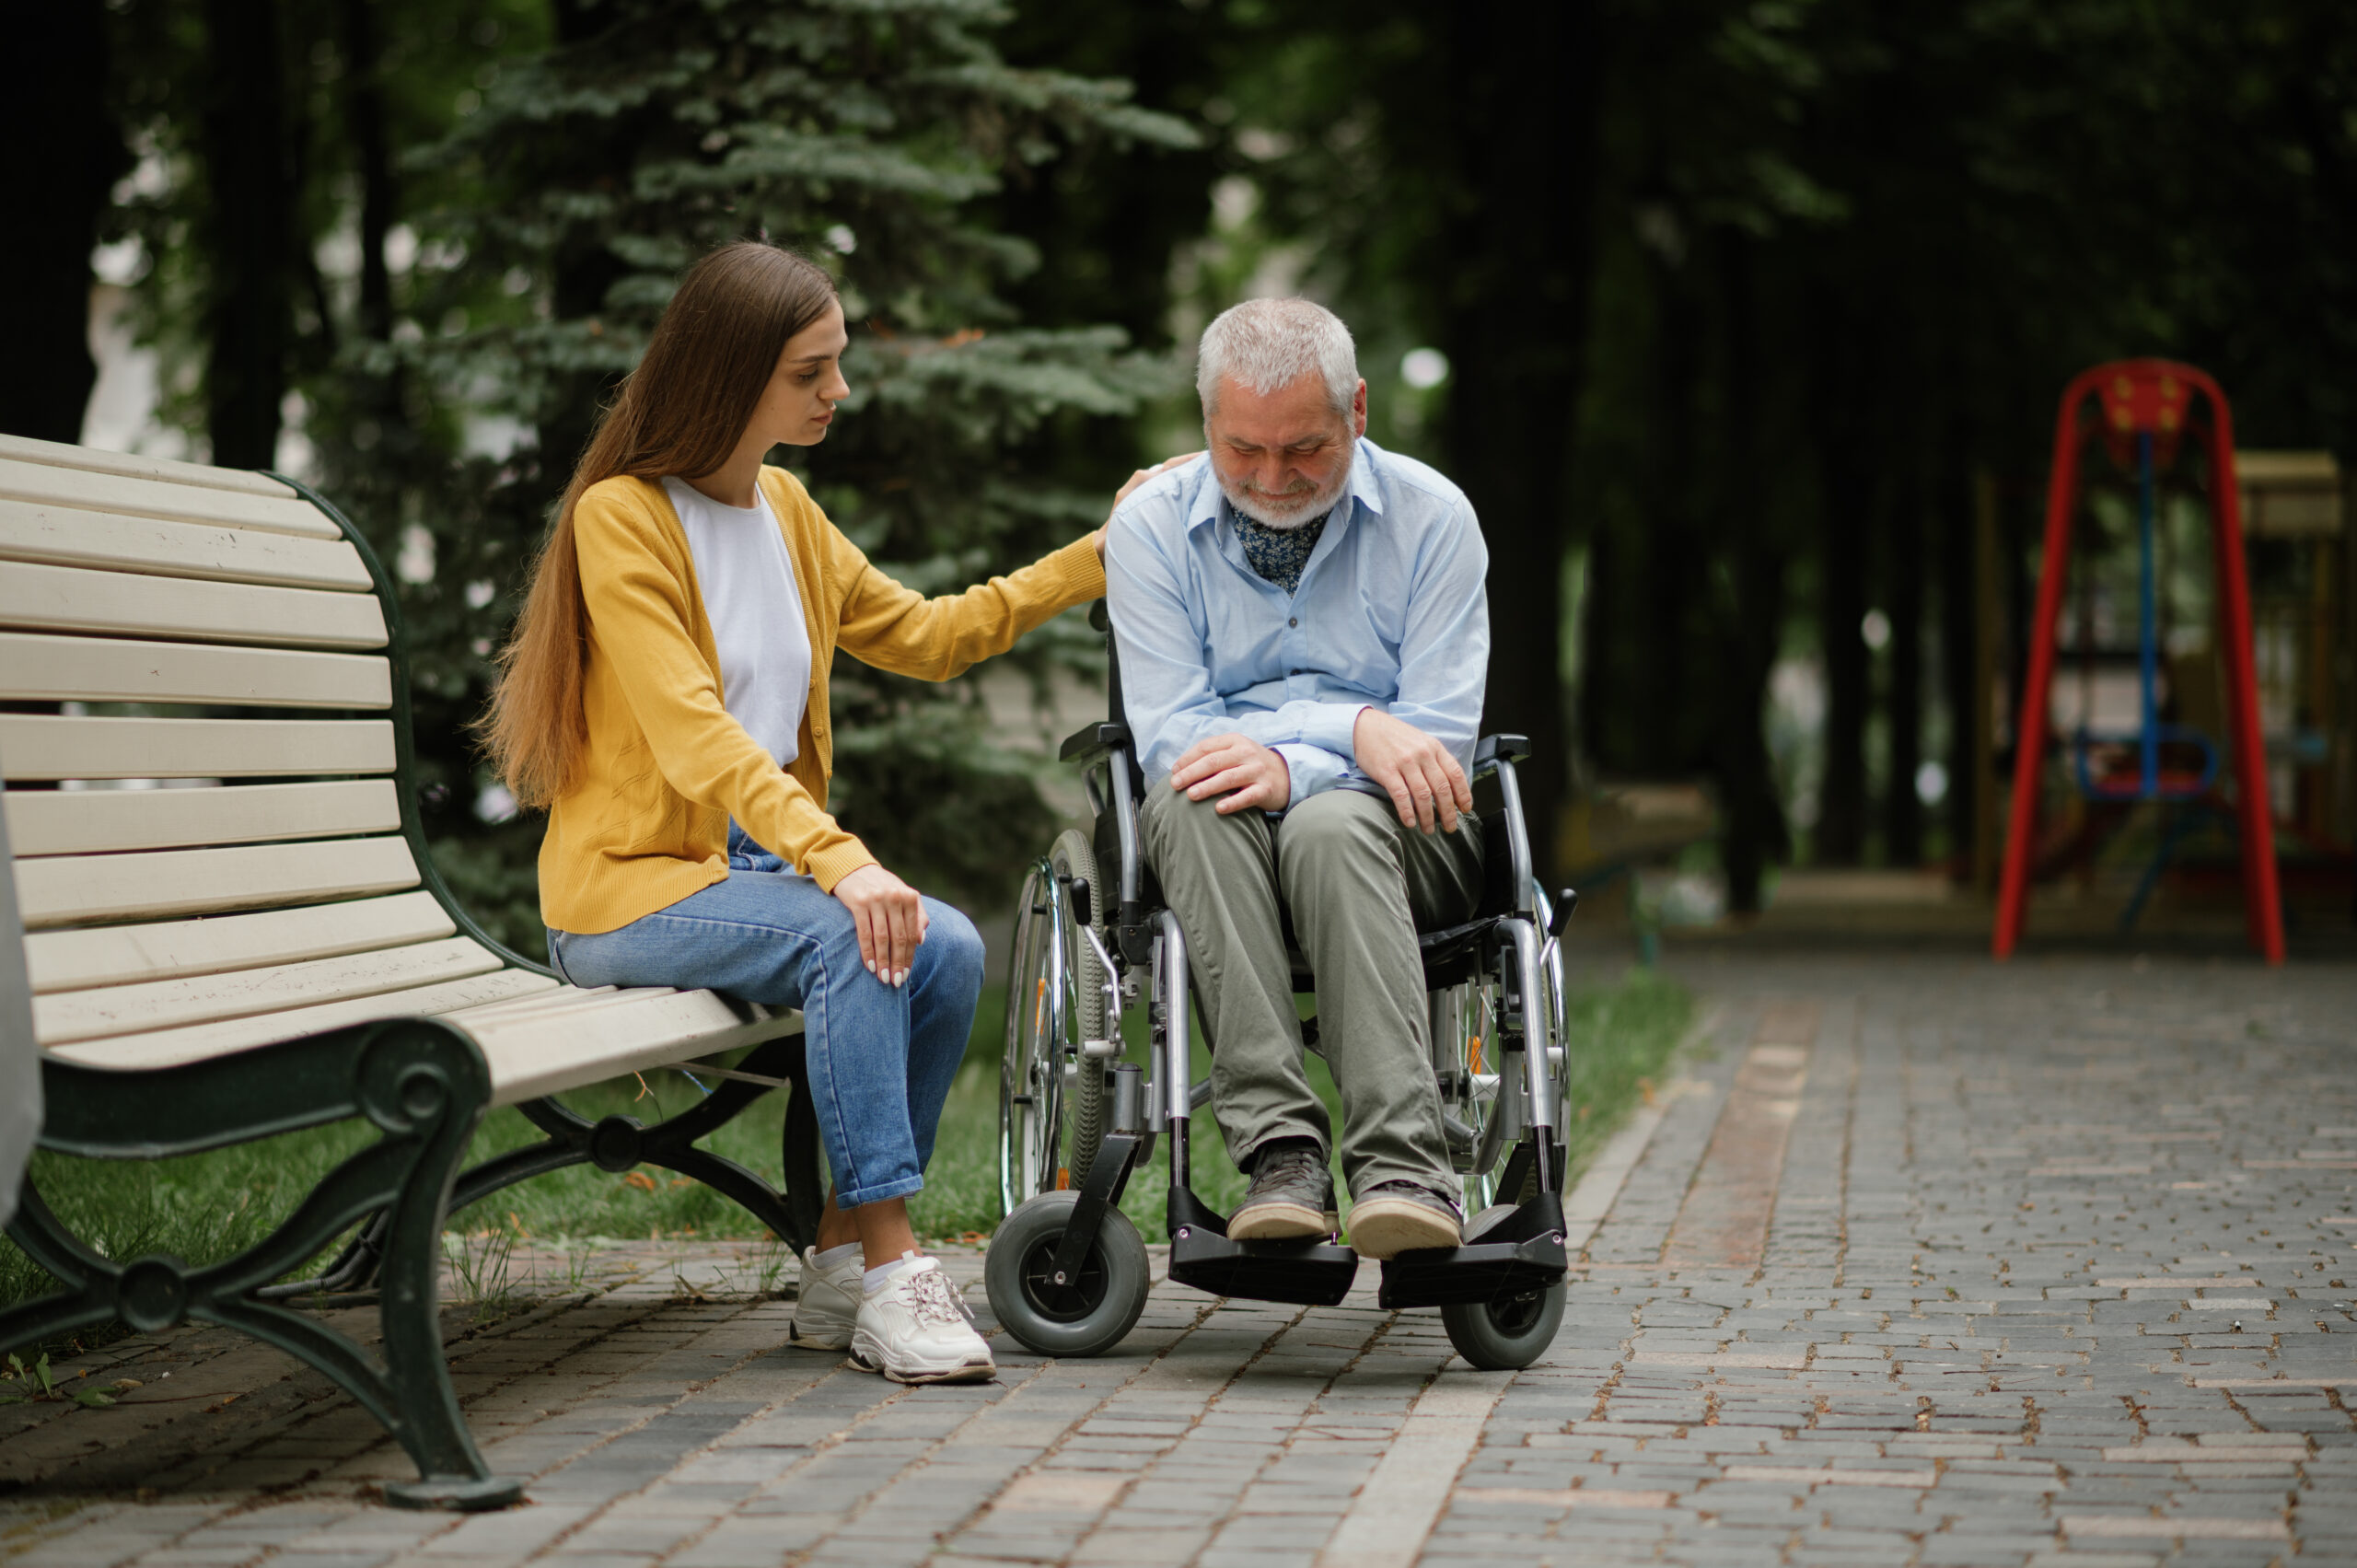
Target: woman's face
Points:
(799, 403)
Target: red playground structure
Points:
(2146, 407)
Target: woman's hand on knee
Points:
(890, 919)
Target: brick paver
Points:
(1917, 1261)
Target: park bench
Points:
(232, 929)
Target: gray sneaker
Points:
(1392, 1217)
(1292, 1195)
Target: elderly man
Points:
(1304, 637)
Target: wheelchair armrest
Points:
(1492, 750)
(1088, 745)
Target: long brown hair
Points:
(681, 412)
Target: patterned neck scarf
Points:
(1279, 554)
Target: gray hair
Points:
(1268, 344)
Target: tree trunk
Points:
(1675, 543)
(1750, 626)
(363, 111)
(59, 153)
(1902, 822)
(1603, 633)
(250, 164)
(1516, 330)
(1842, 607)
(1959, 610)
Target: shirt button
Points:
(1294, 621)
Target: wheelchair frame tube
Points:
(1059, 965)
(1125, 821)
(1538, 1027)
(1178, 1035)
(1517, 835)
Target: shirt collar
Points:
(1364, 487)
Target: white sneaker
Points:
(827, 1305)
(916, 1331)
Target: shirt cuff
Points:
(1332, 725)
(1314, 770)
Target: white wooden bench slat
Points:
(34, 598)
(93, 490)
(44, 667)
(64, 536)
(109, 955)
(70, 889)
(558, 1001)
(532, 1055)
(197, 1042)
(55, 746)
(24, 448)
(66, 1016)
(92, 822)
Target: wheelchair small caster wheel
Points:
(1508, 1335)
(1087, 1314)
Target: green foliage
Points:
(551, 170)
(863, 134)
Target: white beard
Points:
(1292, 511)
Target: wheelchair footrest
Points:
(1522, 1252)
(1308, 1272)
(1312, 1273)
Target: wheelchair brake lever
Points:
(1559, 917)
(1111, 1045)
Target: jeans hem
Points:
(883, 1191)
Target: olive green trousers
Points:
(1359, 886)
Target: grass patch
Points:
(209, 1206)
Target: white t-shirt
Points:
(747, 579)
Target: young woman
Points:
(665, 697)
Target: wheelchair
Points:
(1067, 1272)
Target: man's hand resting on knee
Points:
(1246, 771)
(1424, 780)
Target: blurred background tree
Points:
(1722, 313)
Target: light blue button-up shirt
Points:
(1390, 613)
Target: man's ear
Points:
(1358, 410)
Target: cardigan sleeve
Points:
(638, 601)
(899, 630)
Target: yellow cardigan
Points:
(646, 821)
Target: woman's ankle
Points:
(836, 1227)
(884, 1233)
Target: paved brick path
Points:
(1917, 1261)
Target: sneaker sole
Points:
(1382, 1229)
(800, 1341)
(970, 1373)
(1280, 1221)
(981, 1373)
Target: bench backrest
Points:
(204, 742)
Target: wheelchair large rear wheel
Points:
(1469, 1068)
(1509, 1334)
(1087, 1314)
(1052, 1100)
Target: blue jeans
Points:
(881, 1058)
